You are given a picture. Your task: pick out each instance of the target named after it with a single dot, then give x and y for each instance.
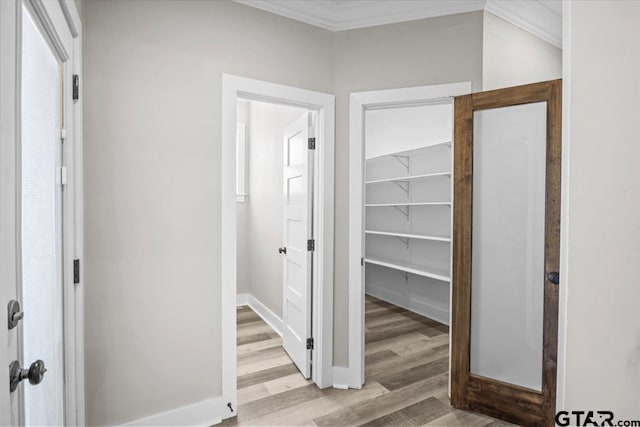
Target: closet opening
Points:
(457, 231)
(401, 229)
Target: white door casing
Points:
(359, 103)
(297, 231)
(323, 107)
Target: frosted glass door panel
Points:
(507, 279)
(41, 226)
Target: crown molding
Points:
(543, 18)
(341, 15)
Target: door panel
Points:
(506, 243)
(41, 225)
(297, 229)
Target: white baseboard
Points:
(242, 299)
(205, 413)
(267, 315)
(420, 306)
(341, 377)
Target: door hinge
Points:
(362, 261)
(311, 245)
(76, 271)
(312, 143)
(309, 343)
(63, 175)
(76, 87)
(63, 134)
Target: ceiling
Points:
(542, 18)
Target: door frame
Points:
(467, 389)
(233, 88)
(353, 376)
(60, 21)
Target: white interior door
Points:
(297, 231)
(41, 224)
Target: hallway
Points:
(406, 371)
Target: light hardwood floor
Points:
(406, 377)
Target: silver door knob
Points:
(35, 374)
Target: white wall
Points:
(152, 132)
(602, 241)
(428, 51)
(512, 56)
(152, 91)
(391, 130)
(261, 261)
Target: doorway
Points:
(274, 166)
(410, 164)
(306, 241)
(506, 191)
(41, 219)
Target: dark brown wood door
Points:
(507, 159)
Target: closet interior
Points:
(408, 207)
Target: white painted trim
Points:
(532, 16)
(359, 102)
(72, 16)
(340, 16)
(234, 87)
(341, 377)
(61, 23)
(242, 299)
(563, 296)
(205, 413)
(267, 315)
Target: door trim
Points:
(61, 22)
(234, 87)
(466, 388)
(359, 103)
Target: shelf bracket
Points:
(404, 211)
(404, 240)
(403, 185)
(404, 161)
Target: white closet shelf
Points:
(406, 152)
(409, 236)
(408, 268)
(409, 178)
(380, 205)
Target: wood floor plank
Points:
(331, 400)
(259, 345)
(417, 414)
(266, 375)
(265, 363)
(286, 383)
(384, 404)
(270, 388)
(247, 339)
(397, 365)
(395, 380)
(406, 372)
